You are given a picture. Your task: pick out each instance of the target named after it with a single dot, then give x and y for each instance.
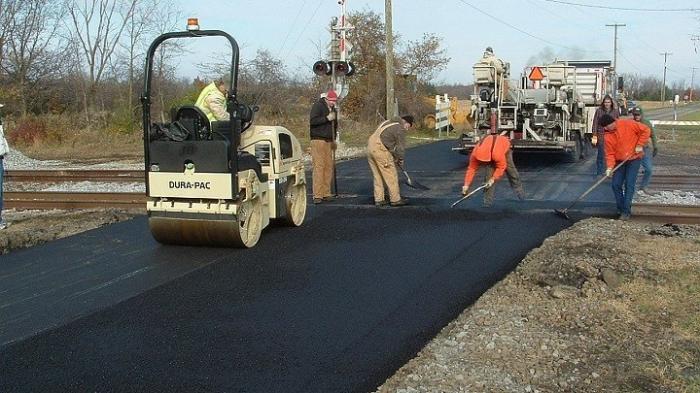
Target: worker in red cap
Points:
(322, 126)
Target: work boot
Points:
(624, 217)
(328, 198)
(381, 204)
(520, 193)
(400, 202)
(317, 201)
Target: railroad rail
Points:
(74, 200)
(675, 182)
(74, 175)
(667, 214)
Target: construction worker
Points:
(4, 150)
(496, 153)
(212, 100)
(490, 59)
(386, 149)
(624, 142)
(322, 121)
(650, 150)
(500, 67)
(598, 138)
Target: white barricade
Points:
(442, 114)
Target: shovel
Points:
(564, 212)
(481, 187)
(409, 182)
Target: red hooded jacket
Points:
(620, 143)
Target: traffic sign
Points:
(536, 74)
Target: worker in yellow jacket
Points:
(212, 100)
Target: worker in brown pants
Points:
(513, 178)
(385, 149)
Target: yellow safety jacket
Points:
(201, 100)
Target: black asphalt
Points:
(336, 305)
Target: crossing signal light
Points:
(341, 68)
(321, 68)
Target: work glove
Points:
(490, 182)
(655, 152)
(331, 116)
(594, 140)
(400, 162)
(608, 172)
(638, 149)
(334, 146)
(465, 190)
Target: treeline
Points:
(83, 60)
(649, 88)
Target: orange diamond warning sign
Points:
(536, 74)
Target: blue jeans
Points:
(623, 182)
(648, 166)
(600, 160)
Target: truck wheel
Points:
(575, 154)
(295, 203)
(249, 223)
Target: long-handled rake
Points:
(564, 212)
(481, 187)
(412, 183)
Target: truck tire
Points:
(575, 154)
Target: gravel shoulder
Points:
(604, 306)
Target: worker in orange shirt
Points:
(624, 141)
(496, 153)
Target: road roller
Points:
(218, 183)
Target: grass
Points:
(681, 140)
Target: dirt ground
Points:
(31, 227)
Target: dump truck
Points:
(218, 183)
(550, 110)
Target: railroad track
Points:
(74, 200)
(667, 214)
(74, 175)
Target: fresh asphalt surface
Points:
(337, 305)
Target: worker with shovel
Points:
(496, 153)
(624, 149)
(386, 150)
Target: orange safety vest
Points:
(491, 149)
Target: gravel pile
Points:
(676, 197)
(18, 161)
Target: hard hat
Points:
(636, 111)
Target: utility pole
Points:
(615, 25)
(692, 83)
(695, 39)
(663, 85)
(389, 61)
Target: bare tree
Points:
(98, 26)
(424, 58)
(141, 26)
(31, 53)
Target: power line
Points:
(624, 8)
(523, 31)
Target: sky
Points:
(518, 31)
